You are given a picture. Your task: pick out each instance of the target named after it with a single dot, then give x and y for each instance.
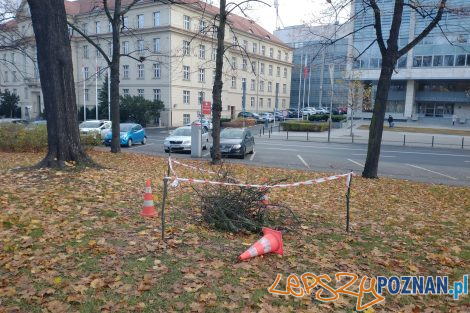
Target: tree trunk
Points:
(218, 85)
(114, 84)
(58, 88)
(378, 117)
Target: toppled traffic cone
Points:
(149, 209)
(270, 243)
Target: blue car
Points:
(130, 133)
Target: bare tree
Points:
(51, 34)
(430, 12)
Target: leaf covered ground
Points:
(73, 241)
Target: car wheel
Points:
(129, 143)
(242, 156)
(252, 150)
(144, 141)
(167, 150)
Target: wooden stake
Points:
(348, 195)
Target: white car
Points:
(309, 111)
(267, 116)
(180, 139)
(96, 127)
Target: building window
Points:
(252, 102)
(87, 94)
(125, 71)
(437, 60)
(214, 54)
(263, 50)
(186, 22)
(234, 82)
(245, 45)
(185, 72)
(278, 54)
(157, 94)
(271, 52)
(186, 119)
(98, 53)
(140, 92)
(285, 72)
(262, 68)
(125, 92)
(98, 71)
(186, 47)
(125, 22)
(243, 82)
(234, 63)
(186, 95)
(269, 103)
(270, 70)
(255, 47)
(140, 46)
(234, 40)
(278, 72)
(140, 71)
(86, 72)
(449, 60)
(97, 27)
(5, 77)
(202, 75)
(157, 70)
(261, 102)
(459, 60)
(286, 56)
(13, 74)
(156, 45)
(140, 21)
(261, 85)
(110, 27)
(85, 28)
(244, 64)
(202, 52)
(156, 18)
(110, 49)
(253, 66)
(252, 85)
(125, 47)
(284, 88)
(283, 103)
(270, 87)
(85, 52)
(202, 26)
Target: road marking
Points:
(357, 163)
(303, 161)
(253, 156)
(359, 154)
(467, 161)
(425, 169)
(281, 149)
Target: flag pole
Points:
(109, 94)
(96, 87)
(305, 76)
(300, 85)
(84, 98)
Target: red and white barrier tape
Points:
(196, 168)
(176, 181)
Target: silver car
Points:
(95, 127)
(180, 139)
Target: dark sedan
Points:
(236, 142)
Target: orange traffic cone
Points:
(149, 209)
(271, 242)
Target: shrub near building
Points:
(303, 126)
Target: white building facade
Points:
(168, 55)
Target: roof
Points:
(239, 23)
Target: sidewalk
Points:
(343, 135)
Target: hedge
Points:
(18, 138)
(304, 126)
(324, 117)
(239, 122)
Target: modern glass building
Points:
(316, 53)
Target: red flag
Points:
(305, 72)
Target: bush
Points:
(18, 138)
(324, 118)
(304, 126)
(239, 122)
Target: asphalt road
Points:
(431, 165)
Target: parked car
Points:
(294, 113)
(206, 123)
(180, 139)
(130, 133)
(247, 114)
(322, 111)
(266, 116)
(236, 142)
(13, 121)
(278, 116)
(309, 111)
(343, 110)
(95, 127)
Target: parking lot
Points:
(433, 165)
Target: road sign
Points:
(206, 107)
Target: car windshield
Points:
(182, 132)
(232, 133)
(91, 124)
(126, 127)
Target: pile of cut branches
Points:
(237, 209)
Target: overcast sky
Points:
(291, 12)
